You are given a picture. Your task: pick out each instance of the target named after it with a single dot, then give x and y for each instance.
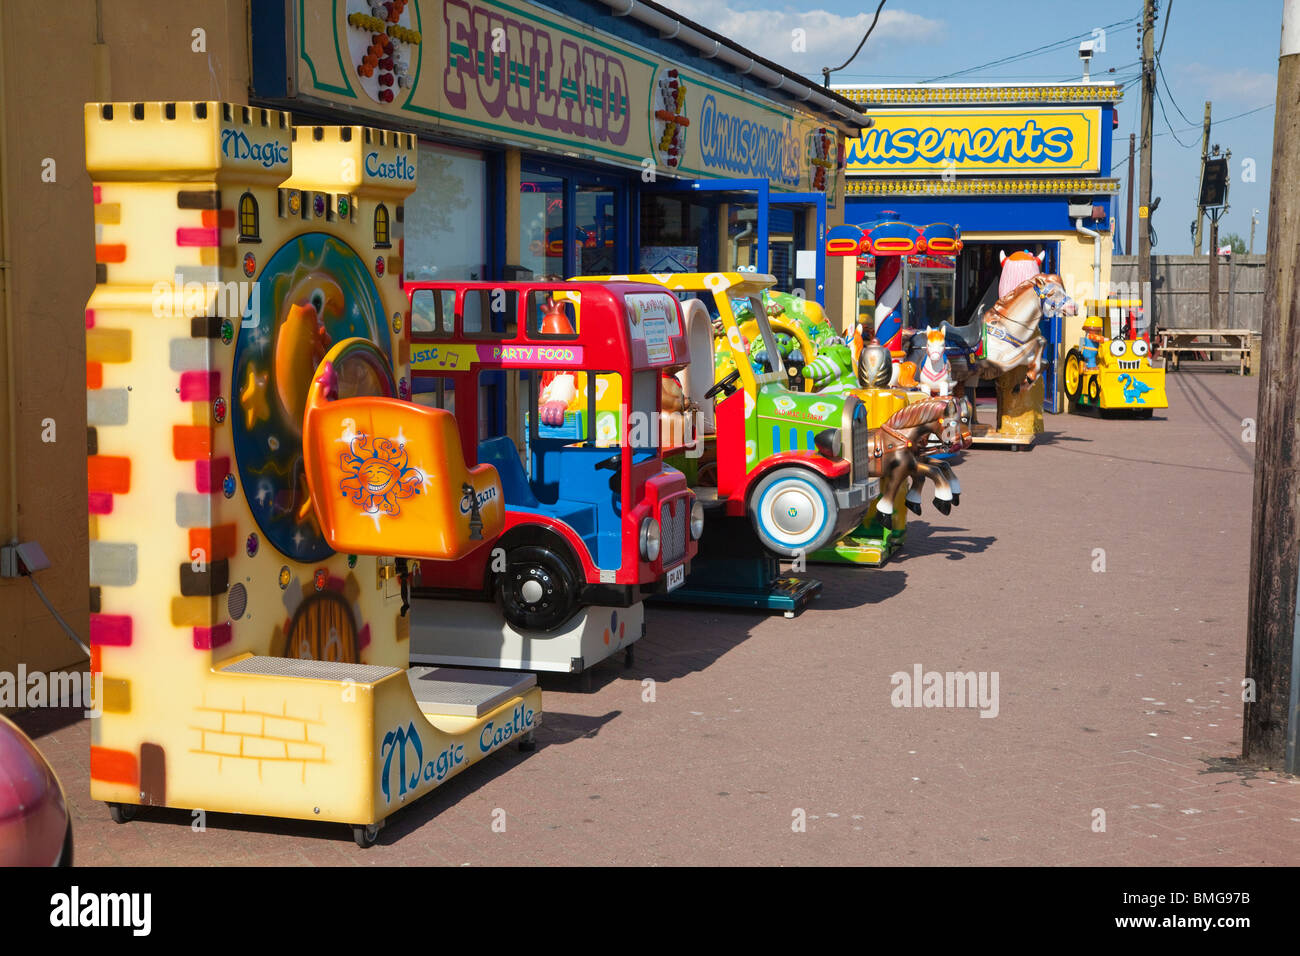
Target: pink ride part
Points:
(34, 825)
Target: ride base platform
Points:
(871, 543)
(474, 634)
(733, 569)
(986, 435)
(1019, 414)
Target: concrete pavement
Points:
(1118, 709)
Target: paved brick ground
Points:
(1119, 692)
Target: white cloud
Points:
(828, 39)
(1247, 86)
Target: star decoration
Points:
(253, 398)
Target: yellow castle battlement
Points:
(357, 158)
(180, 142)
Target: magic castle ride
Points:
(248, 600)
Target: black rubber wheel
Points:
(122, 812)
(793, 511)
(1073, 375)
(538, 590)
(628, 656)
(1144, 412)
(529, 743)
(367, 835)
(1094, 391)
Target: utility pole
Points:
(1144, 186)
(1213, 270)
(1128, 216)
(1215, 213)
(1205, 155)
(1272, 627)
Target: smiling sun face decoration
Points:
(376, 475)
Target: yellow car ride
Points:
(1120, 378)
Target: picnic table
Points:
(1177, 342)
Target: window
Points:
(553, 315)
(596, 231)
(381, 227)
(440, 393)
(248, 226)
(445, 223)
(490, 313)
(433, 312)
(541, 220)
(677, 234)
(596, 406)
(570, 222)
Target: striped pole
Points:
(889, 303)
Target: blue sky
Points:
(1223, 52)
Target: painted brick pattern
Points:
(167, 551)
(251, 735)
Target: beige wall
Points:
(841, 272)
(49, 70)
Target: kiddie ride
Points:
(1004, 342)
(252, 635)
(1113, 375)
(781, 473)
(911, 432)
(594, 520)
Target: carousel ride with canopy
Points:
(893, 247)
(932, 355)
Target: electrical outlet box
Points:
(19, 559)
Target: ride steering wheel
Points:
(726, 385)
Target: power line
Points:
(1229, 119)
(1161, 71)
(827, 71)
(1161, 49)
(1160, 101)
(1034, 52)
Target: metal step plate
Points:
(465, 693)
(316, 670)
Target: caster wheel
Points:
(529, 743)
(628, 657)
(123, 812)
(366, 836)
